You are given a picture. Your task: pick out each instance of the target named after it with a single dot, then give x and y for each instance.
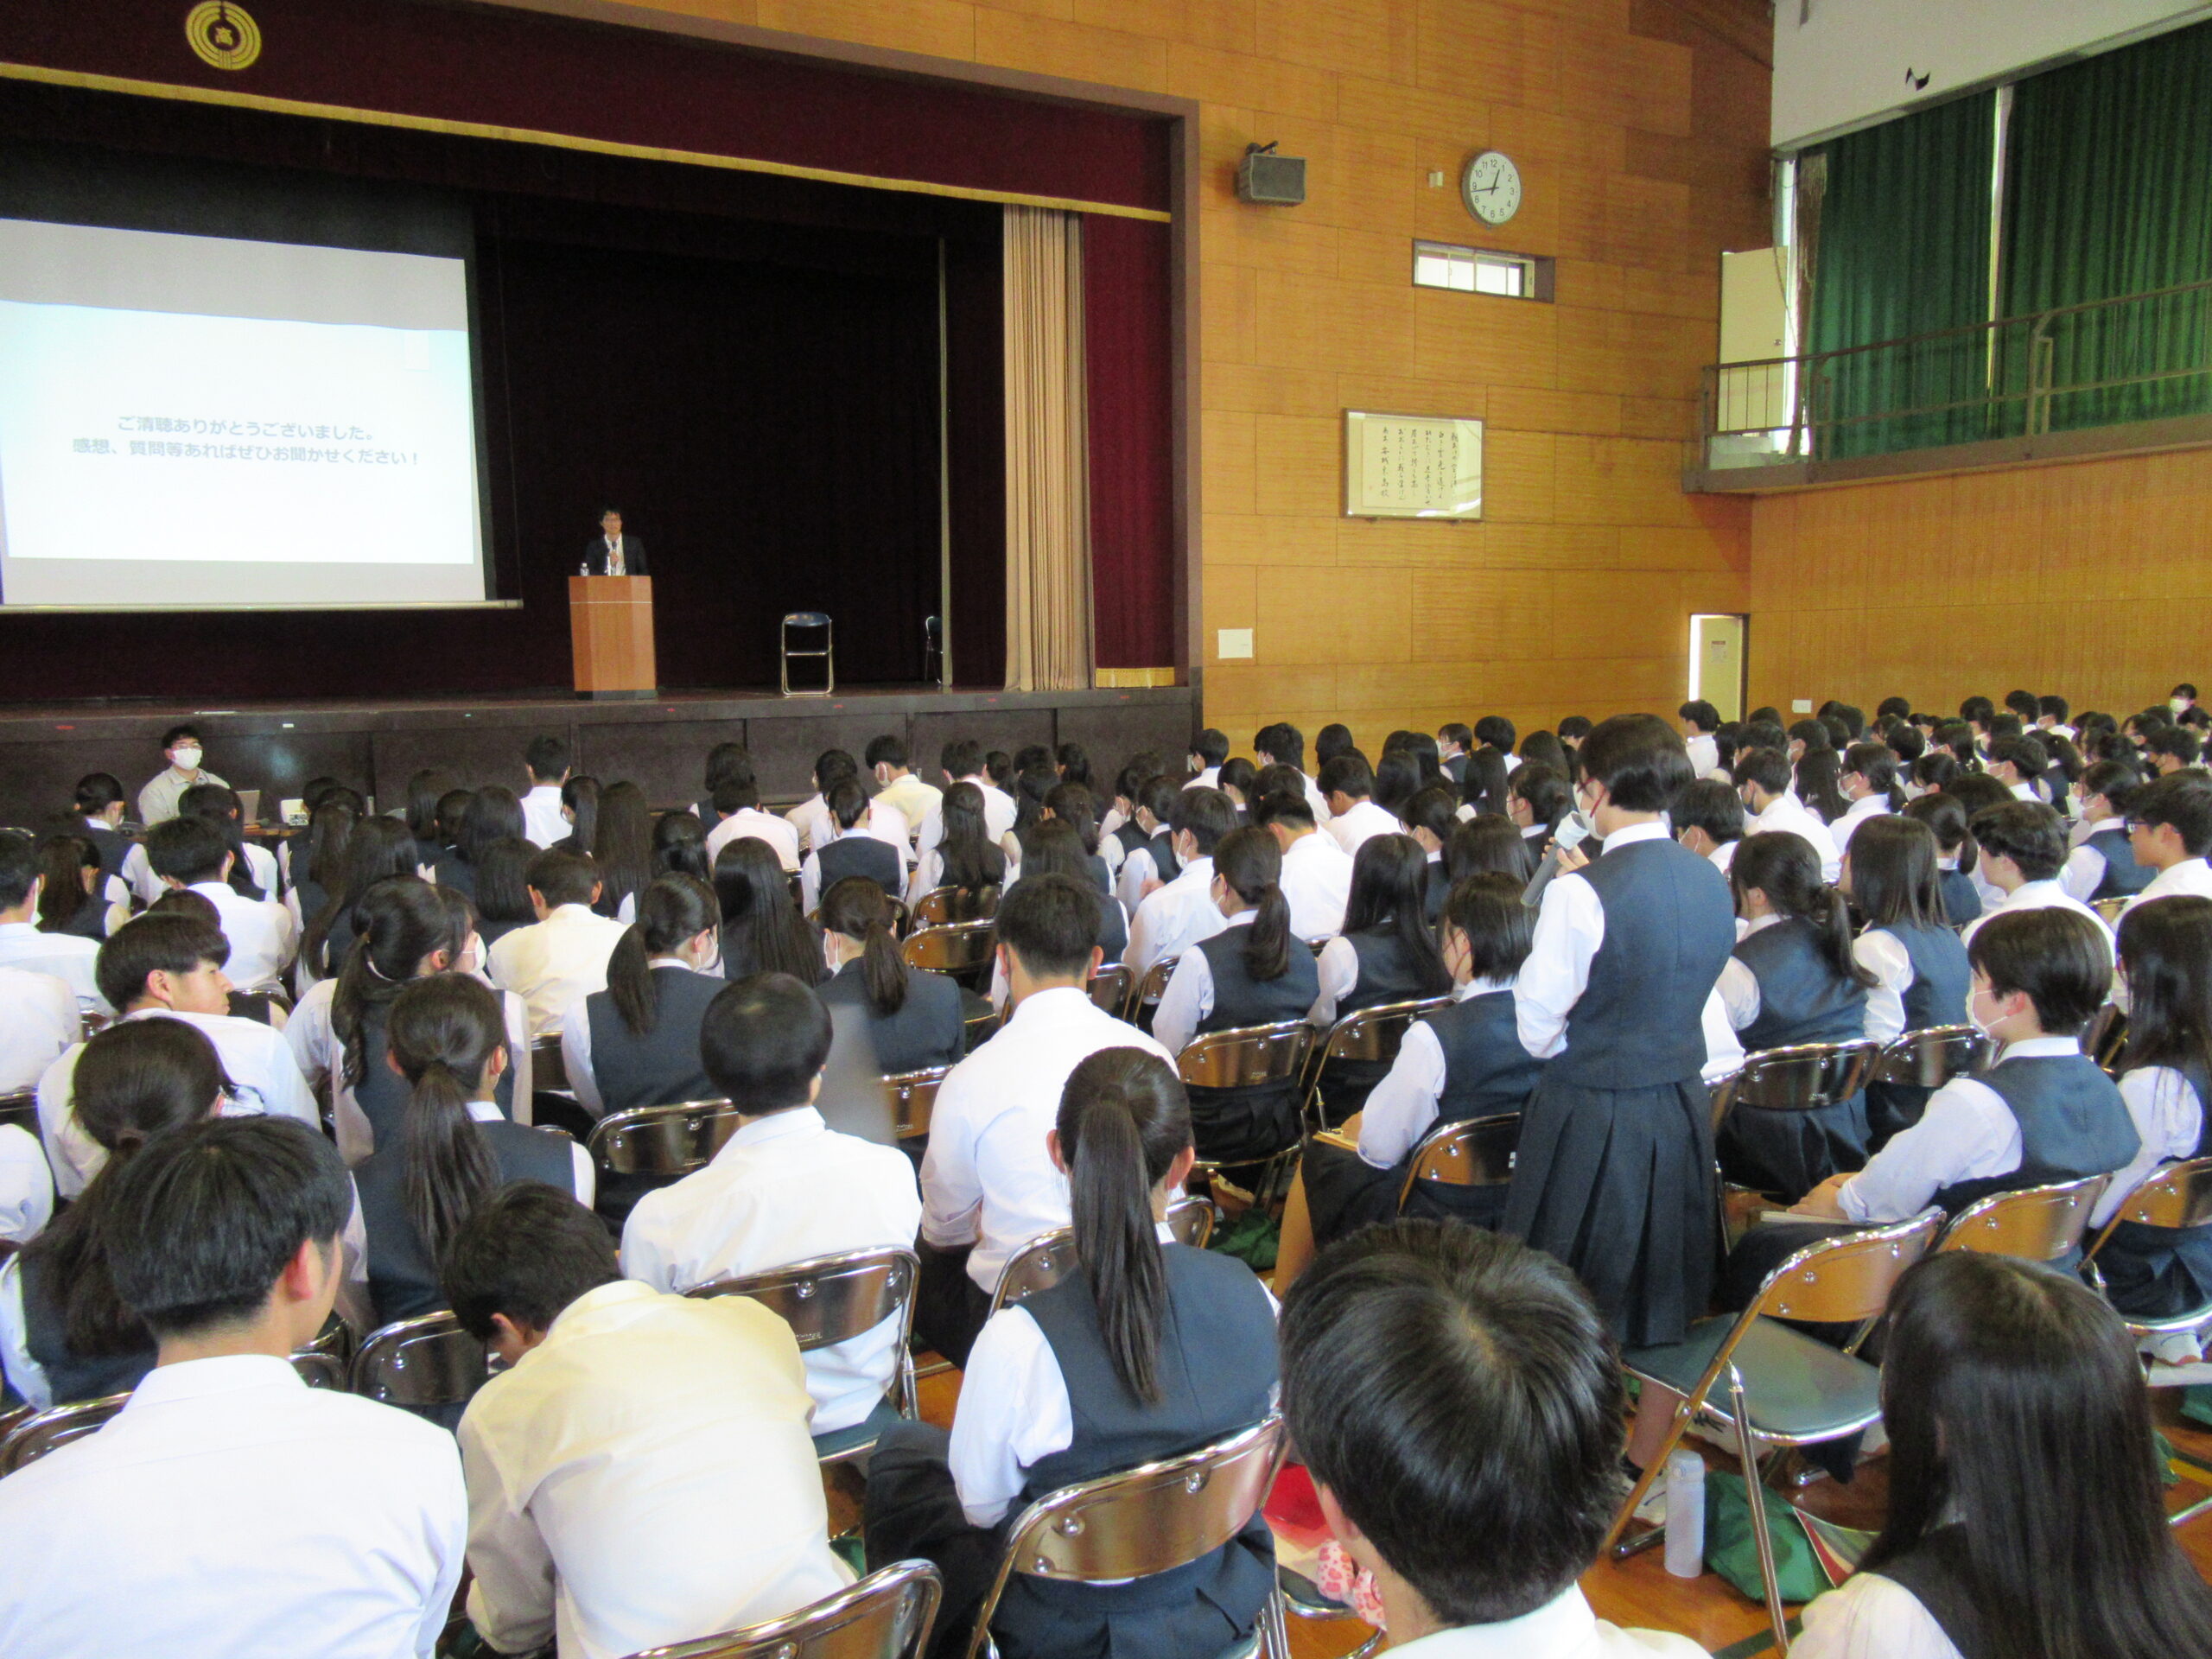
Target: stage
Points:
(661, 744)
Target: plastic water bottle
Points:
(1685, 1513)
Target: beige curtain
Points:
(1048, 645)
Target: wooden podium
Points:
(611, 628)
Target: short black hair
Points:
(1347, 774)
(1210, 746)
(1575, 726)
(1639, 758)
(2027, 832)
(2178, 742)
(1976, 710)
(764, 1040)
(2184, 690)
(1768, 768)
(187, 849)
(562, 878)
(961, 758)
(888, 750)
(1331, 741)
(1700, 714)
(547, 759)
(1283, 806)
(1051, 924)
(213, 1212)
(2060, 957)
(98, 791)
(1208, 814)
(154, 943)
(527, 1250)
(2116, 780)
(2183, 799)
(2053, 707)
(1453, 731)
(1707, 804)
(1281, 742)
(19, 867)
(1456, 1391)
(176, 734)
(1495, 730)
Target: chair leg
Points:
(1747, 1452)
(1684, 1414)
(1275, 1631)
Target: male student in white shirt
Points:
(1700, 720)
(989, 1184)
(229, 1511)
(561, 958)
(1284, 745)
(1761, 778)
(66, 957)
(171, 967)
(737, 798)
(1346, 783)
(1205, 760)
(785, 1187)
(2023, 849)
(157, 802)
(640, 1474)
(547, 761)
(897, 785)
(961, 761)
(190, 853)
(2169, 828)
(1316, 871)
(1174, 918)
(38, 1023)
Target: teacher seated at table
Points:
(612, 554)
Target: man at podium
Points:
(612, 554)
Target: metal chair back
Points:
(1845, 1278)
(887, 1615)
(827, 1300)
(2036, 1223)
(1046, 1259)
(951, 947)
(2174, 1195)
(426, 1361)
(21, 1109)
(1109, 987)
(914, 1097)
(1931, 1057)
(549, 1068)
(47, 1431)
(1802, 1078)
(941, 906)
(808, 621)
(1370, 1035)
(2111, 909)
(320, 1370)
(661, 1140)
(1246, 1057)
(1474, 1152)
(2104, 1039)
(1151, 1519)
(1148, 989)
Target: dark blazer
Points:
(633, 556)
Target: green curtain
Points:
(2109, 191)
(1904, 250)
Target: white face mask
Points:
(187, 758)
(2176, 703)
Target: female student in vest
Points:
(1792, 980)
(1461, 1062)
(1488, 844)
(1150, 1349)
(762, 930)
(377, 849)
(1614, 1172)
(447, 1043)
(1430, 817)
(917, 1018)
(622, 848)
(1919, 967)
(1075, 806)
(320, 868)
(2102, 864)
(1816, 777)
(579, 810)
(79, 897)
(966, 860)
(1871, 787)
(494, 811)
(503, 902)
(1387, 953)
(1537, 801)
(1955, 855)
(2025, 1520)
(64, 1334)
(637, 1042)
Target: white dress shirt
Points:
(644, 1477)
(66, 957)
(1785, 814)
(1867, 806)
(760, 826)
(138, 872)
(2084, 870)
(255, 1059)
(229, 1511)
(783, 1188)
(26, 1186)
(1013, 1410)
(1882, 954)
(999, 813)
(1189, 996)
(987, 1178)
(2042, 895)
(157, 801)
(1563, 1628)
(541, 822)
(1317, 883)
(1208, 777)
(1401, 1108)
(553, 963)
(1361, 823)
(1138, 866)
(1174, 918)
(2169, 1122)
(38, 1021)
(1967, 1134)
(1704, 750)
(2192, 876)
(262, 934)
(1738, 987)
(1869, 1617)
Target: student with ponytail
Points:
(1147, 1349)
(637, 1042)
(446, 1040)
(915, 1017)
(1792, 979)
(1918, 963)
(1385, 954)
(1957, 856)
(1871, 785)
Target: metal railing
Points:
(2104, 362)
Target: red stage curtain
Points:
(1125, 296)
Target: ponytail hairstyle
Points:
(375, 849)
(673, 909)
(1545, 789)
(1935, 770)
(1877, 764)
(580, 794)
(135, 1080)
(1074, 803)
(1390, 884)
(96, 792)
(401, 920)
(680, 847)
(441, 1034)
(1787, 870)
(63, 860)
(1945, 817)
(1123, 1121)
(857, 908)
(1434, 808)
(1250, 860)
(972, 860)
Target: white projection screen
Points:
(201, 423)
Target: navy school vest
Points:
(1165, 864)
(1239, 1000)
(403, 1279)
(928, 1028)
(72, 1376)
(1388, 973)
(2073, 1124)
(1961, 900)
(1486, 1071)
(381, 1093)
(2123, 876)
(661, 1067)
(861, 854)
(1802, 997)
(1937, 996)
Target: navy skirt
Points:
(1787, 1154)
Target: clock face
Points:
(1492, 187)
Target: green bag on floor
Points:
(2196, 1403)
(1733, 1553)
(1251, 1238)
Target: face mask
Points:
(187, 758)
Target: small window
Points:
(1474, 270)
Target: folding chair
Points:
(423, 1364)
(1931, 1057)
(1150, 1519)
(1368, 1038)
(1148, 991)
(962, 950)
(2112, 909)
(809, 620)
(2036, 1223)
(327, 1362)
(914, 1097)
(1046, 1260)
(1784, 1389)
(668, 1141)
(1249, 1057)
(1475, 1153)
(44, 1431)
(1109, 987)
(1804, 1077)
(548, 1069)
(887, 1615)
(827, 1300)
(941, 906)
(2104, 1039)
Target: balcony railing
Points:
(2140, 357)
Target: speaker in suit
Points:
(600, 550)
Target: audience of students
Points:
(561, 957)
(636, 1042)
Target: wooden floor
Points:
(1639, 1592)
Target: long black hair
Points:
(1487, 842)
(503, 880)
(1074, 805)
(375, 849)
(494, 811)
(135, 1080)
(1544, 790)
(580, 794)
(1389, 882)
(762, 930)
(425, 790)
(1787, 870)
(402, 921)
(2021, 1454)
(673, 909)
(857, 908)
(972, 860)
(1947, 820)
(63, 860)
(1818, 775)
(330, 828)
(1893, 872)
(1250, 860)
(2165, 949)
(622, 845)
(441, 1034)
(1123, 1121)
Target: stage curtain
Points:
(1048, 616)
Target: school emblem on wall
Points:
(223, 36)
